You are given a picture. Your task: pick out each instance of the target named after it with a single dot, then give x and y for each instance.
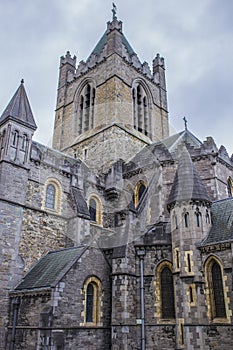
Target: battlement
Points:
(115, 24)
(68, 59)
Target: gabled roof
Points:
(48, 271)
(222, 222)
(185, 136)
(187, 184)
(19, 109)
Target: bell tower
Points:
(111, 100)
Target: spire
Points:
(19, 109)
(187, 185)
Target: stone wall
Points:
(59, 314)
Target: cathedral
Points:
(120, 235)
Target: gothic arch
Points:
(216, 290)
(84, 110)
(142, 101)
(164, 290)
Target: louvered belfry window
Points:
(167, 294)
(218, 294)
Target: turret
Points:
(17, 126)
(189, 206)
(67, 68)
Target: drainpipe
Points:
(16, 303)
(141, 253)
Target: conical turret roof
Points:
(19, 109)
(187, 185)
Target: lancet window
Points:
(141, 109)
(86, 104)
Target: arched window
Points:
(93, 294)
(207, 216)
(140, 109)
(198, 218)
(219, 309)
(215, 294)
(186, 219)
(3, 141)
(24, 142)
(50, 196)
(230, 187)
(95, 209)
(175, 221)
(167, 293)
(86, 103)
(191, 298)
(139, 192)
(177, 258)
(90, 302)
(92, 209)
(15, 138)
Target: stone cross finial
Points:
(114, 9)
(185, 123)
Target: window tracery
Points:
(85, 107)
(141, 109)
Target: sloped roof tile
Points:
(222, 222)
(47, 272)
(187, 184)
(19, 109)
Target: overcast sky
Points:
(194, 37)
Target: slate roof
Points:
(172, 142)
(222, 222)
(80, 203)
(166, 149)
(19, 109)
(187, 184)
(48, 271)
(103, 41)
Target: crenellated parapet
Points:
(68, 59)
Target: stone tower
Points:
(189, 206)
(17, 127)
(112, 105)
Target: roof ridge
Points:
(65, 249)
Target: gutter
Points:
(141, 253)
(16, 305)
